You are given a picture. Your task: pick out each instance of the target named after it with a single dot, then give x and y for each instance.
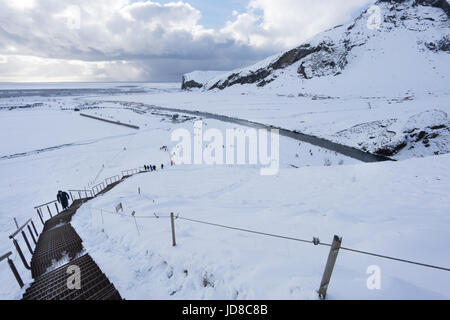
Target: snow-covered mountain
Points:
(394, 46)
(396, 52)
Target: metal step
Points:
(53, 285)
(57, 240)
(52, 245)
(65, 216)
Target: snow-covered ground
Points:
(382, 90)
(397, 209)
(50, 147)
(367, 123)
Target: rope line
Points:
(128, 216)
(396, 259)
(321, 244)
(285, 238)
(248, 231)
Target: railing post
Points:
(172, 221)
(14, 271)
(34, 228)
(79, 194)
(22, 257)
(56, 205)
(32, 235)
(332, 256)
(40, 216)
(26, 241)
(71, 197)
(49, 212)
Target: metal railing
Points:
(13, 268)
(33, 233)
(50, 209)
(112, 180)
(98, 188)
(82, 194)
(126, 173)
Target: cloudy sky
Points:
(138, 40)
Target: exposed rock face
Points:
(443, 4)
(326, 58)
(441, 45)
(425, 133)
(191, 84)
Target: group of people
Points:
(151, 167)
(63, 197)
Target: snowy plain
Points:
(399, 209)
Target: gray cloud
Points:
(146, 40)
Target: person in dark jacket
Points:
(63, 199)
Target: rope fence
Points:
(314, 241)
(334, 247)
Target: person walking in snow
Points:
(63, 199)
(162, 166)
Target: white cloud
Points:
(148, 36)
(34, 69)
(283, 24)
(21, 4)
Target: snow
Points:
(92, 151)
(391, 60)
(333, 118)
(393, 90)
(395, 209)
(202, 76)
(402, 206)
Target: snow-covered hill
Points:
(395, 52)
(392, 47)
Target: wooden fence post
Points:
(172, 221)
(334, 250)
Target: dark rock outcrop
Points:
(191, 84)
(261, 76)
(443, 4)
